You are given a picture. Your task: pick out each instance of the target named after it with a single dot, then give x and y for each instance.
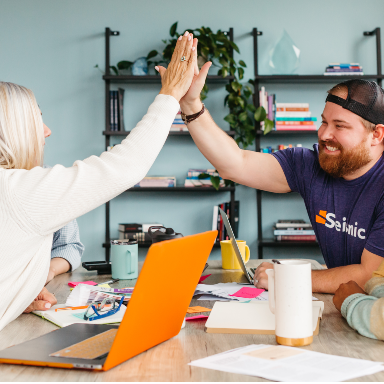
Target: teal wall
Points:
(51, 47)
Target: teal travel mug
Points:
(124, 259)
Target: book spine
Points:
(121, 109)
(270, 107)
(111, 110)
(130, 228)
(295, 238)
(283, 232)
(214, 221)
(236, 219)
(343, 73)
(294, 123)
(116, 111)
(296, 118)
(293, 114)
(218, 224)
(296, 128)
(344, 70)
(293, 105)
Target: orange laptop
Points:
(155, 313)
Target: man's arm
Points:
(253, 169)
(67, 250)
(329, 280)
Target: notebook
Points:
(65, 318)
(254, 318)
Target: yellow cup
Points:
(228, 256)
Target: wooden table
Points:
(168, 361)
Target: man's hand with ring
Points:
(261, 277)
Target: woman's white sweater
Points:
(36, 203)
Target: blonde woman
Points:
(35, 202)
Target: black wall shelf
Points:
(304, 79)
(171, 133)
(155, 79)
(151, 79)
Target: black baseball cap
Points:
(365, 99)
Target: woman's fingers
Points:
(161, 70)
(195, 41)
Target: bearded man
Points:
(341, 180)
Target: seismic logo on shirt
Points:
(328, 219)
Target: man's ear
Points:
(378, 134)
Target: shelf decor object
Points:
(119, 78)
(303, 79)
(284, 57)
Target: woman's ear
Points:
(378, 134)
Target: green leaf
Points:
(226, 100)
(268, 126)
(230, 118)
(229, 183)
(234, 46)
(251, 108)
(203, 176)
(241, 102)
(224, 72)
(215, 182)
(241, 72)
(151, 54)
(173, 28)
(243, 116)
(241, 62)
(114, 69)
(124, 64)
(260, 114)
(236, 86)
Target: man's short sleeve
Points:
(375, 242)
(299, 165)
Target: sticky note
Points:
(248, 293)
(75, 283)
(198, 317)
(198, 309)
(202, 278)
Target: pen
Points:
(71, 308)
(276, 261)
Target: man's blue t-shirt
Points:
(347, 216)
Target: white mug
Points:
(290, 299)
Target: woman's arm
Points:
(45, 200)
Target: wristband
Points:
(188, 118)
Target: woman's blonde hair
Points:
(21, 128)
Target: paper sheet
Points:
(280, 363)
(248, 292)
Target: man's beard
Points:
(346, 162)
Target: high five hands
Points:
(182, 78)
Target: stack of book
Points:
(194, 179)
(294, 117)
(343, 69)
(294, 230)
(218, 223)
(116, 120)
(279, 148)
(135, 231)
(157, 181)
(178, 124)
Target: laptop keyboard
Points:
(91, 348)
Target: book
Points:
(136, 227)
(157, 182)
(292, 107)
(292, 224)
(121, 109)
(295, 232)
(296, 238)
(296, 119)
(116, 110)
(141, 237)
(217, 221)
(343, 73)
(343, 70)
(295, 128)
(293, 114)
(65, 318)
(294, 122)
(111, 114)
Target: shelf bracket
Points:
(376, 32)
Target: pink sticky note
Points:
(248, 293)
(73, 284)
(202, 278)
(198, 317)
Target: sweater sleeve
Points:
(44, 200)
(356, 309)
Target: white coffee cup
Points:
(290, 299)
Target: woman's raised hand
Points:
(177, 78)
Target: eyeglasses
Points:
(107, 307)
